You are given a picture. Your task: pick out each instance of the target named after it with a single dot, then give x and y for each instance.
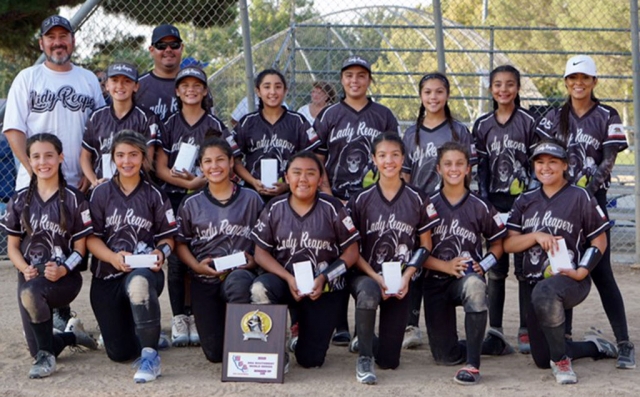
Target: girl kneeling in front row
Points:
(538, 221)
(305, 225)
(395, 221)
(130, 217)
(214, 222)
(457, 266)
(47, 224)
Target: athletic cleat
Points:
(504, 346)
(412, 337)
(523, 341)
(293, 339)
(365, 372)
(180, 331)
(194, 337)
(563, 372)
(82, 337)
(163, 341)
(148, 366)
(61, 317)
(341, 338)
(467, 376)
(606, 348)
(43, 366)
(626, 355)
(353, 345)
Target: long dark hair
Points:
(565, 112)
(33, 184)
(455, 146)
(260, 77)
(506, 69)
(423, 111)
(137, 140)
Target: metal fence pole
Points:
(248, 59)
(635, 51)
(437, 21)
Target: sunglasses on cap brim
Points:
(162, 45)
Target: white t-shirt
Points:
(306, 112)
(43, 100)
(243, 108)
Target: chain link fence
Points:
(308, 40)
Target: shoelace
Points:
(564, 365)
(143, 364)
(625, 350)
(366, 365)
(181, 326)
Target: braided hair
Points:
(423, 111)
(33, 184)
(565, 113)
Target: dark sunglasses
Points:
(162, 45)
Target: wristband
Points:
(73, 260)
(165, 249)
(335, 270)
(488, 262)
(591, 258)
(419, 257)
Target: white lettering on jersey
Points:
(381, 226)
(130, 218)
(420, 154)
(45, 224)
(266, 143)
(225, 228)
(455, 230)
(585, 139)
(348, 132)
(47, 100)
(549, 221)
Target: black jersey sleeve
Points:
(493, 228)
(429, 217)
(183, 219)
(321, 127)
(153, 130)
(165, 223)
(11, 219)
(82, 225)
(595, 222)
(615, 131)
(344, 227)
(90, 139)
(514, 222)
(262, 234)
(96, 210)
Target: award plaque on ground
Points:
(254, 339)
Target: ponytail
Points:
(24, 216)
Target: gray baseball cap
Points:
(356, 60)
(191, 71)
(550, 148)
(53, 21)
(123, 69)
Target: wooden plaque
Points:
(254, 343)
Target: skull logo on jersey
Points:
(535, 255)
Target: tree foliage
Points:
(199, 13)
(20, 20)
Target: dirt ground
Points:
(187, 373)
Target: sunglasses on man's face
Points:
(162, 45)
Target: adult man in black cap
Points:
(157, 89)
(56, 97)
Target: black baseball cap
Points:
(356, 60)
(191, 71)
(123, 69)
(163, 31)
(53, 21)
(550, 148)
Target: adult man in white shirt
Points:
(56, 97)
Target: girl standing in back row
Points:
(347, 130)
(504, 140)
(435, 126)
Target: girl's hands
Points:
(117, 261)
(53, 272)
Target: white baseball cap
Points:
(581, 64)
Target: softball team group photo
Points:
(147, 168)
